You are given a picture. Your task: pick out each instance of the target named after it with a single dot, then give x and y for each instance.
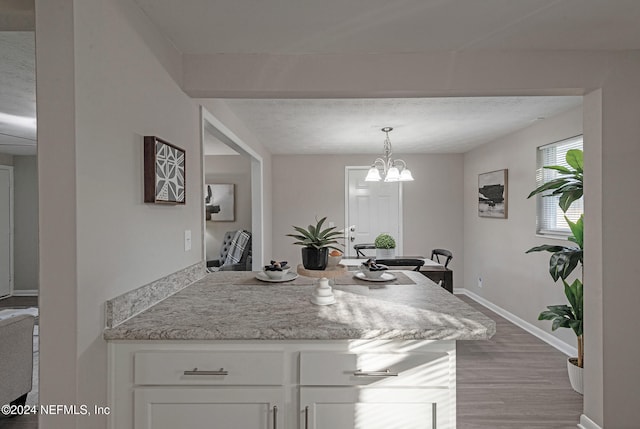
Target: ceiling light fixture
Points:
(392, 170)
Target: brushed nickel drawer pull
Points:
(196, 371)
(306, 417)
(275, 417)
(386, 373)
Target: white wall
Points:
(236, 170)
(432, 204)
(117, 92)
(495, 248)
(25, 177)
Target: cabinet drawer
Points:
(208, 368)
(428, 369)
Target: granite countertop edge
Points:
(214, 308)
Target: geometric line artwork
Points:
(164, 172)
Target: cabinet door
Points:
(375, 408)
(198, 408)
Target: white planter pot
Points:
(575, 375)
(385, 253)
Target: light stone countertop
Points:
(214, 308)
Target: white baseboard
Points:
(587, 423)
(25, 292)
(532, 329)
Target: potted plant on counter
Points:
(564, 259)
(385, 246)
(316, 243)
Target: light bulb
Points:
(406, 176)
(393, 175)
(373, 175)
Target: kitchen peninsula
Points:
(231, 351)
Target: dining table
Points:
(433, 270)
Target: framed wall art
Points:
(221, 199)
(492, 194)
(164, 172)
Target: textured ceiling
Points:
(17, 93)
(363, 26)
(373, 26)
(421, 125)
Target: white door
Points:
(215, 408)
(6, 230)
(372, 208)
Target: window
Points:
(550, 217)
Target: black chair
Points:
(235, 253)
(360, 247)
(444, 253)
(402, 262)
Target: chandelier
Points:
(386, 168)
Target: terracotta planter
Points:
(315, 259)
(575, 375)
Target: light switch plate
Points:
(187, 240)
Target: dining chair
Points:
(402, 262)
(362, 246)
(444, 253)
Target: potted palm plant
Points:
(564, 259)
(316, 243)
(385, 246)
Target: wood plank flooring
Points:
(513, 381)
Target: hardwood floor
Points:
(513, 381)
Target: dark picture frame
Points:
(493, 188)
(165, 172)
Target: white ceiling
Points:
(373, 26)
(421, 125)
(356, 26)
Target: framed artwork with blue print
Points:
(164, 172)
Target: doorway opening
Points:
(234, 218)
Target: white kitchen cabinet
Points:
(373, 408)
(197, 408)
(337, 384)
(374, 390)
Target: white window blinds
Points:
(550, 217)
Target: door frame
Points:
(399, 239)
(9, 168)
(213, 125)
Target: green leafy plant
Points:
(316, 237)
(569, 184)
(385, 241)
(569, 316)
(564, 259)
